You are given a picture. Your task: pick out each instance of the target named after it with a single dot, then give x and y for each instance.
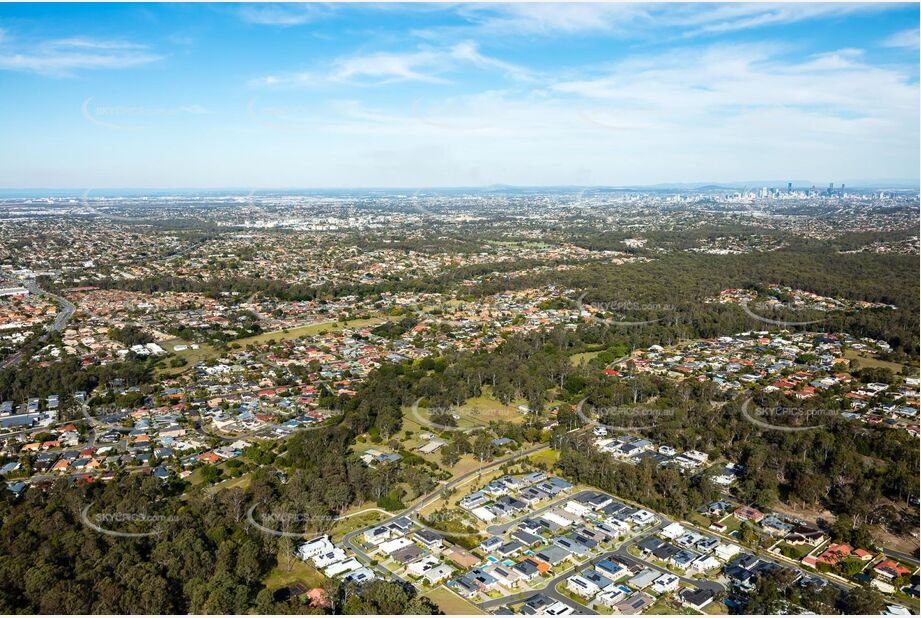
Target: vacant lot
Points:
(864, 360)
(668, 606)
(300, 571)
(308, 330)
(355, 522)
(450, 603)
(475, 412)
(192, 357)
(582, 358)
(547, 457)
(241, 481)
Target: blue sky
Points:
(386, 95)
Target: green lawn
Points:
(475, 412)
(583, 357)
(451, 603)
(796, 552)
(732, 524)
(192, 357)
(869, 361)
(548, 457)
(344, 526)
(300, 571)
(308, 330)
(666, 605)
(241, 481)
(699, 519)
(716, 608)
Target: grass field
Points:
(192, 357)
(582, 358)
(241, 481)
(461, 491)
(309, 329)
(300, 572)
(451, 603)
(797, 552)
(868, 361)
(668, 606)
(716, 608)
(732, 524)
(699, 520)
(547, 457)
(475, 412)
(343, 527)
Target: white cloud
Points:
(719, 79)
(429, 65)
(716, 18)
(61, 57)
(281, 14)
(387, 67)
(717, 113)
(636, 20)
(553, 18)
(910, 38)
(468, 51)
(288, 80)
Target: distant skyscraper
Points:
(789, 187)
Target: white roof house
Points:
(438, 574)
(483, 513)
(431, 447)
(582, 587)
(421, 566)
(703, 563)
(314, 547)
(556, 518)
(665, 583)
(327, 558)
(346, 566)
(578, 509)
(725, 551)
(643, 517)
(377, 535)
(391, 546)
(673, 530)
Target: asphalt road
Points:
(65, 312)
(432, 496)
(620, 553)
(500, 529)
(892, 553)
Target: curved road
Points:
(622, 555)
(66, 311)
(429, 498)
